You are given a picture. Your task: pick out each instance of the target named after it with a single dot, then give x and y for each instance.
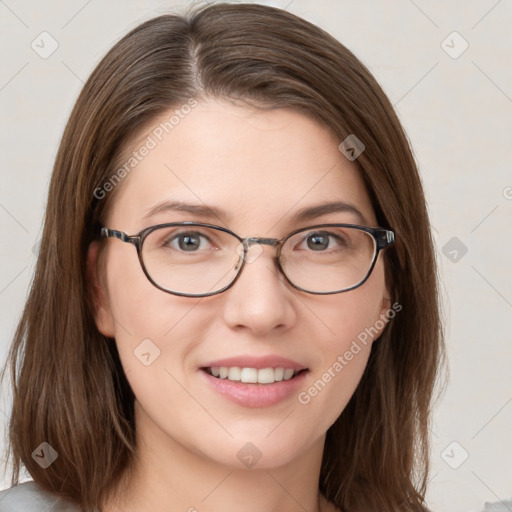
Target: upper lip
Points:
(258, 362)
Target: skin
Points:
(261, 167)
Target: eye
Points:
(188, 241)
(322, 240)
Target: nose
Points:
(260, 300)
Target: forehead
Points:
(259, 166)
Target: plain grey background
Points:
(446, 66)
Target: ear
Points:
(102, 316)
(387, 311)
(386, 304)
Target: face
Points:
(261, 168)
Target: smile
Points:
(255, 387)
(253, 375)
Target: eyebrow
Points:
(305, 214)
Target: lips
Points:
(255, 381)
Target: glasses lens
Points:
(197, 260)
(191, 259)
(328, 259)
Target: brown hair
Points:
(376, 454)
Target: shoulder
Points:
(29, 497)
(501, 506)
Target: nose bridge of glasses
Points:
(259, 241)
(248, 256)
(253, 240)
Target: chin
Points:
(258, 451)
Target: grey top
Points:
(29, 497)
(499, 506)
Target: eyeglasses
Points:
(197, 260)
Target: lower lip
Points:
(255, 395)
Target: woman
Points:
(272, 340)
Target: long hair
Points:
(69, 388)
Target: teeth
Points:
(249, 375)
(288, 374)
(266, 376)
(253, 375)
(234, 373)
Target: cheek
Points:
(350, 324)
(149, 323)
(333, 381)
(352, 315)
(328, 391)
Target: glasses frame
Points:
(383, 238)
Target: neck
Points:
(167, 476)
